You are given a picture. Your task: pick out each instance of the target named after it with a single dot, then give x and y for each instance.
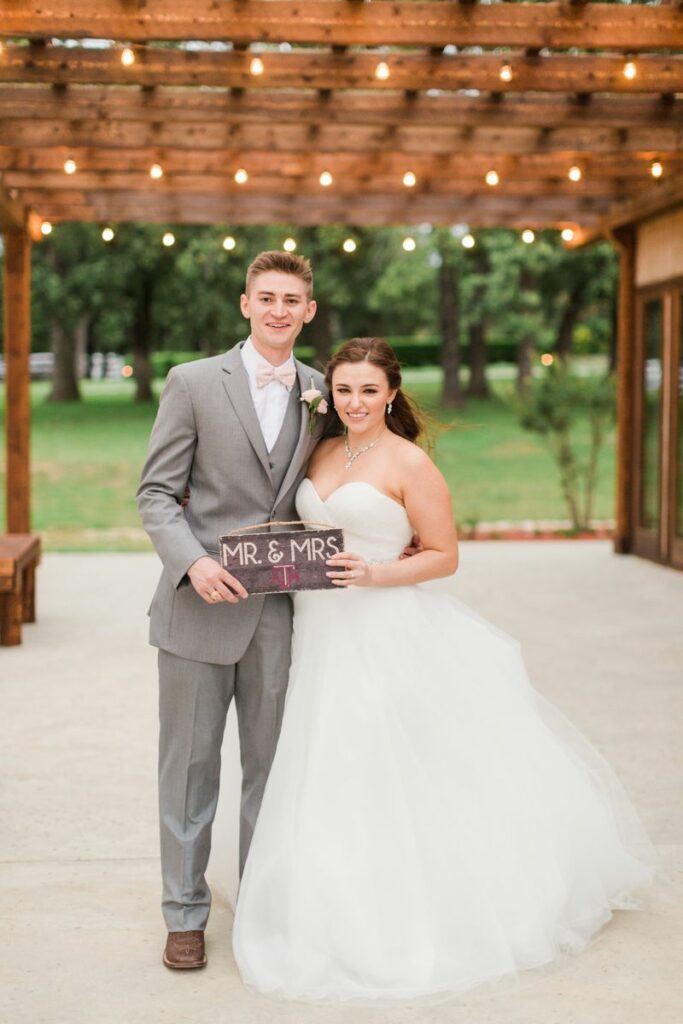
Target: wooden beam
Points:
(659, 196)
(380, 23)
(318, 209)
(17, 345)
(320, 69)
(623, 533)
(35, 183)
(223, 163)
(12, 212)
(305, 106)
(293, 138)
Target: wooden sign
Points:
(275, 563)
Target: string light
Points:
(575, 173)
(409, 179)
(107, 234)
(467, 241)
(656, 169)
(326, 179)
(409, 244)
(528, 236)
(257, 66)
(289, 244)
(492, 178)
(567, 234)
(156, 171)
(168, 239)
(349, 245)
(382, 71)
(229, 243)
(127, 57)
(630, 70)
(506, 73)
(241, 176)
(547, 359)
(46, 228)
(70, 166)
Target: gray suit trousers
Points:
(194, 698)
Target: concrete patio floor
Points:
(81, 927)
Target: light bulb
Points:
(349, 245)
(156, 171)
(326, 179)
(127, 57)
(70, 166)
(547, 359)
(528, 236)
(630, 70)
(46, 227)
(382, 71)
(107, 234)
(506, 73)
(229, 243)
(575, 173)
(289, 244)
(567, 234)
(241, 176)
(409, 179)
(257, 66)
(468, 241)
(409, 244)
(656, 169)
(492, 178)
(168, 239)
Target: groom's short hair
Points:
(284, 263)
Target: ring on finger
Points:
(214, 595)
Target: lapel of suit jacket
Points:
(236, 384)
(306, 443)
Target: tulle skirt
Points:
(430, 821)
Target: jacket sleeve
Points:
(164, 478)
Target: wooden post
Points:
(17, 331)
(626, 243)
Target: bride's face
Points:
(360, 392)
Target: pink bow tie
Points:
(285, 374)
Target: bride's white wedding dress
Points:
(430, 821)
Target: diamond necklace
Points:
(352, 456)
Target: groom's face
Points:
(277, 306)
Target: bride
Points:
(430, 822)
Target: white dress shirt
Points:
(270, 400)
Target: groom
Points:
(233, 429)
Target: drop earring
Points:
(389, 408)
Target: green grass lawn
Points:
(87, 459)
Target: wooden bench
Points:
(19, 556)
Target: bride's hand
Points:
(350, 570)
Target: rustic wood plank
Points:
(178, 164)
(312, 210)
(17, 341)
(283, 138)
(588, 25)
(320, 69)
(350, 184)
(131, 103)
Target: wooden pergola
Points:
(338, 111)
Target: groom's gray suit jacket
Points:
(207, 436)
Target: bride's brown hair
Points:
(404, 418)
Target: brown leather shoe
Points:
(185, 950)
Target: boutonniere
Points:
(316, 402)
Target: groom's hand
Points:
(414, 548)
(213, 583)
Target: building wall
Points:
(659, 248)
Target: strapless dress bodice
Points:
(375, 526)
